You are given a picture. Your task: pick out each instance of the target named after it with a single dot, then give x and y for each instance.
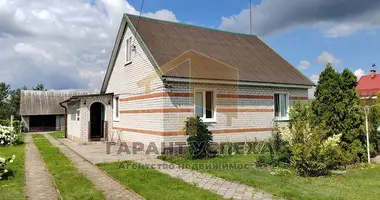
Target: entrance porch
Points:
(88, 117)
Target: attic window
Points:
(128, 50)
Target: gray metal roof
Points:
(44, 102)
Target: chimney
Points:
(373, 71)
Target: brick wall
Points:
(151, 113)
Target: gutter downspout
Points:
(61, 104)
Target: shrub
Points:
(8, 136)
(4, 173)
(199, 140)
(314, 153)
(264, 160)
(279, 149)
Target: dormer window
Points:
(128, 50)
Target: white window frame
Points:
(116, 112)
(285, 118)
(128, 50)
(203, 91)
(77, 112)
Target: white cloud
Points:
(62, 44)
(304, 64)
(326, 57)
(314, 78)
(359, 73)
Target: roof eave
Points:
(234, 82)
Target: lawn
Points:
(354, 184)
(58, 134)
(152, 184)
(70, 182)
(13, 188)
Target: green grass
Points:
(70, 182)
(13, 188)
(152, 184)
(354, 184)
(58, 134)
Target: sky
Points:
(66, 44)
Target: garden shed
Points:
(40, 110)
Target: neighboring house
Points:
(369, 85)
(162, 72)
(40, 110)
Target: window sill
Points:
(116, 120)
(283, 119)
(127, 63)
(208, 120)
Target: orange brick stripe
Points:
(243, 96)
(156, 95)
(243, 110)
(160, 110)
(176, 133)
(172, 133)
(299, 98)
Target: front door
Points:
(96, 121)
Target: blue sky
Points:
(66, 45)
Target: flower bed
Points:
(3, 162)
(8, 136)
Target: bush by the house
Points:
(278, 150)
(8, 136)
(314, 151)
(199, 140)
(5, 172)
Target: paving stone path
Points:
(96, 153)
(38, 181)
(111, 189)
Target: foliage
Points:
(10, 100)
(12, 186)
(4, 173)
(336, 109)
(39, 87)
(314, 152)
(8, 136)
(17, 124)
(374, 123)
(264, 160)
(199, 140)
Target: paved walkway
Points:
(111, 189)
(38, 181)
(96, 153)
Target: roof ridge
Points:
(191, 25)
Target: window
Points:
(78, 112)
(116, 108)
(281, 106)
(204, 105)
(128, 50)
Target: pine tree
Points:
(353, 115)
(328, 107)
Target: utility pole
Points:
(250, 17)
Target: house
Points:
(162, 72)
(369, 85)
(40, 110)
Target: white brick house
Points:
(162, 72)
